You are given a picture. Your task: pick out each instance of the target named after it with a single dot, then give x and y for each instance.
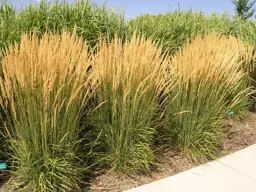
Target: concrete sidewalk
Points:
(233, 173)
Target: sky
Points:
(135, 8)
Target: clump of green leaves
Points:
(244, 8)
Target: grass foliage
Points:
(132, 76)
(44, 91)
(172, 76)
(174, 28)
(90, 19)
(207, 74)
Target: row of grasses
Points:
(111, 94)
(67, 109)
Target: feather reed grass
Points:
(44, 92)
(209, 82)
(133, 80)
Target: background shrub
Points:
(174, 28)
(90, 19)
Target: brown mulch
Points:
(239, 135)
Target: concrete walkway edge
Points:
(232, 173)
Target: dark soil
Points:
(238, 135)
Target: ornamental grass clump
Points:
(132, 75)
(44, 92)
(209, 82)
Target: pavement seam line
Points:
(237, 171)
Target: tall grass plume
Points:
(132, 75)
(44, 91)
(209, 83)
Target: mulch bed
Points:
(239, 135)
